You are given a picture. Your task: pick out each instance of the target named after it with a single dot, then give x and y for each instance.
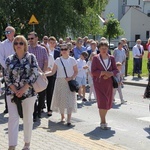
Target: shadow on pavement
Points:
(55, 126)
(137, 79)
(81, 104)
(98, 133)
(148, 131)
(116, 106)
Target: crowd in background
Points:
(87, 61)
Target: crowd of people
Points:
(85, 60)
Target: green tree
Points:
(56, 17)
(111, 28)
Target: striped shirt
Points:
(41, 55)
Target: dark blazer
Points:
(56, 54)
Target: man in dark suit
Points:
(51, 79)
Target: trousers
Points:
(13, 122)
(119, 89)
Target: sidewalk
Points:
(130, 80)
(51, 134)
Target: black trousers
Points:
(39, 104)
(137, 65)
(49, 91)
(126, 67)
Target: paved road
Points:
(129, 127)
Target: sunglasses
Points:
(64, 49)
(30, 38)
(20, 43)
(7, 32)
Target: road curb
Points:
(135, 84)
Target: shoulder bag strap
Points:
(30, 61)
(64, 68)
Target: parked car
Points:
(112, 46)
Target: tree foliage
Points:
(112, 29)
(56, 17)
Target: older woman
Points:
(20, 74)
(64, 101)
(103, 68)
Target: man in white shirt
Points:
(45, 41)
(6, 49)
(138, 52)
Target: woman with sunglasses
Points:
(64, 101)
(21, 72)
(102, 69)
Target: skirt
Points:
(63, 101)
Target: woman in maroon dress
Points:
(103, 68)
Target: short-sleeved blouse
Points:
(68, 63)
(19, 72)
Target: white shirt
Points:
(51, 52)
(47, 45)
(105, 62)
(6, 49)
(69, 63)
(136, 51)
(50, 61)
(80, 64)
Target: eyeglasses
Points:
(20, 43)
(63, 49)
(30, 38)
(7, 32)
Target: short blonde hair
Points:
(118, 64)
(22, 39)
(11, 28)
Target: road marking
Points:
(144, 119)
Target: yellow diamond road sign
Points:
(33, 20)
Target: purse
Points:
(41, 83)
(115, 83)
(73, 84)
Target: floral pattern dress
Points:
(19, 72)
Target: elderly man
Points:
(138, 52)
(42, 59)
(45, 41)
(6, 49)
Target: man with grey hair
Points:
(6, 49)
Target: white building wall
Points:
(112, 7)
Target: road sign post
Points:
(33, 21)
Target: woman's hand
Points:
(20, 92)
(105, 77)
(69, 78)
(108, 74)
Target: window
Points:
(139, 2)
(137, 36)
(147, 34)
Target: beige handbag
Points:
(41, 83)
